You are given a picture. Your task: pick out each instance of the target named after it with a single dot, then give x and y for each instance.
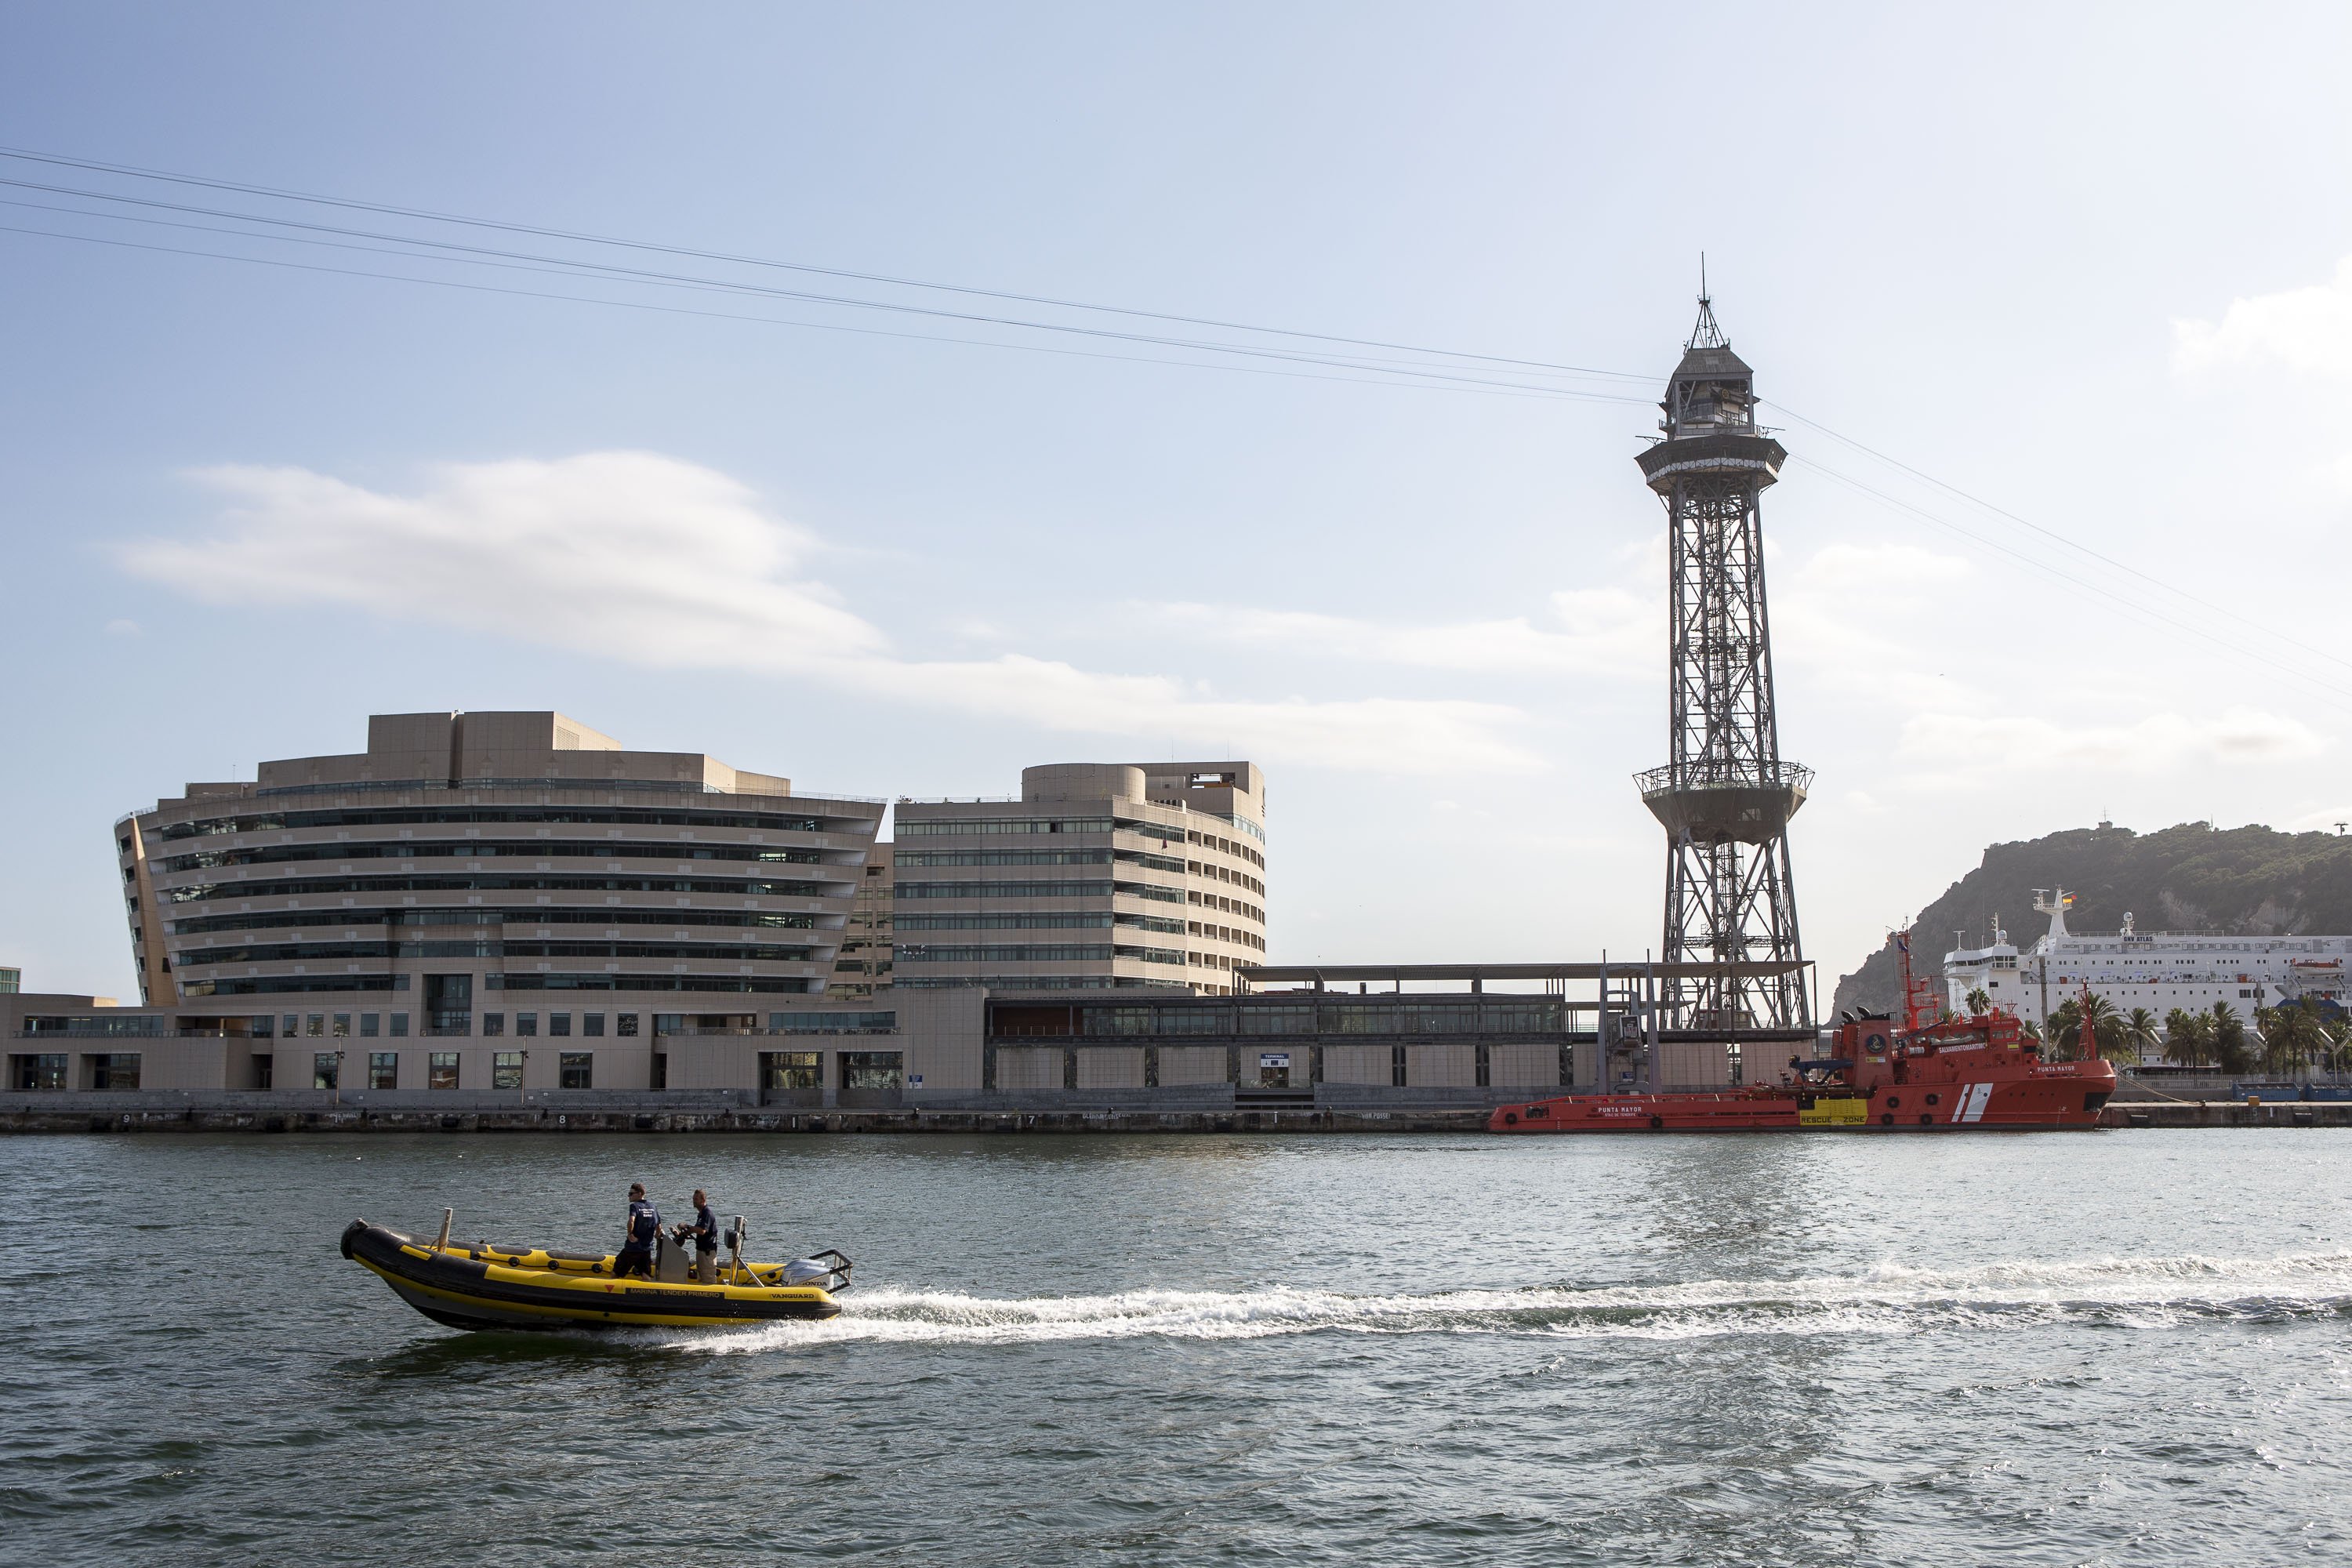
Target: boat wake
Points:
(1889, 1299)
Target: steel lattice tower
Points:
(1725, 795)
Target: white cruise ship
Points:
(2156, 970)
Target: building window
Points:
(560, 1024)
(1485, 1067)
(591, 1024)
(293, 1026)
(324, 1068)
(1396, 1067)
(506, 1071)
(369, 1024)
(441, 1071)
(449, 1004)
(265, 1069)
(343, 1026)
(527, 1024)
(383, 1070)
(399, 1025)
(315, 1024)
(40, 1071)
(791, 1069)
(579, 1069)
(871, 1070)
(628, 1024)
(494, 1024)
(114, 1069)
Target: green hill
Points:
(2253, 881)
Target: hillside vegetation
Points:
(2249, 880)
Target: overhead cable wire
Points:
(639, 275)
(1497, 390)
(2115, 598)
(2054, 536)
(1416, 373)
(388, 209)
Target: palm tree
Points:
(1979, 1001)
(2297, 1036)
(2064, 1033)
(2061, 1032)
(2141, 1034)
(2188, 1039)
(2230, 1049)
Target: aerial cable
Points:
(133, 171)
(2056, 537)
(1393, 380)
(1392, 372)
(638, 275)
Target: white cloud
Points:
(643, 557)
(2307, 330)
(1609, 631)
(1965, 747)
(628, 554)
(122, 629)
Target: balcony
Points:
(1716, 801)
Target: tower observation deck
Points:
(1725, 795)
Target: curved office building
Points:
(488, 901)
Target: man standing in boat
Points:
(644, 1228)
(704, 1234)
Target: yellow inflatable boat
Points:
(485, 1287)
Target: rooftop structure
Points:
(481, 881)
(1102, 875)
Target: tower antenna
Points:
(1706, 335)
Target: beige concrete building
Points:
(486, 900)
(510, 913)
(863, 967)
(1102, 875)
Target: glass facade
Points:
(578, 1069)
(872, 1070)
(441, 1071)
(383, 1070)
(39, 1070)
(506, 1071)
(114, 1069)
(781, 1070)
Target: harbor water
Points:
(2105, 1348)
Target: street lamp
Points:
(339, 1077)
(523, 1078)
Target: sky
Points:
(2053, 307)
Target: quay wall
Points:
(1196, 1109)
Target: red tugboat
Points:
(1934, 1074)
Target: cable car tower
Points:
(1725, 795)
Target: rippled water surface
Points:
(2127, 1347)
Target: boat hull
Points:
(2054, 1099)
(455, 1287)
